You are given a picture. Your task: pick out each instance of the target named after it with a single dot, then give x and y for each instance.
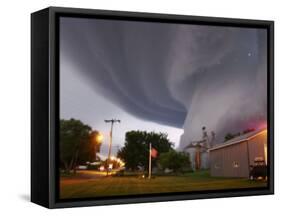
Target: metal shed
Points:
(234, 157)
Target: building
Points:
(198, 155)
(234, 157)
(198, 150)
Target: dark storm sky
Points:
(181, 76)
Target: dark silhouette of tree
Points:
(78, 143)
(230, 136)
(136, 150)
(248, 130)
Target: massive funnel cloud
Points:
(186, 76)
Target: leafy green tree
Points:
(76, 143)
(176, 161)
(136, 150)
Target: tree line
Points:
(135, 152)
(79, 144)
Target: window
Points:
(235, 164)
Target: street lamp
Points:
(99, 138)
(112, 121)
(96, 140)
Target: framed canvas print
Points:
(139, 107)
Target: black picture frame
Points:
(45, 105)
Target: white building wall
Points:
(205, 164)
(205, 158)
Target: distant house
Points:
(234, 157)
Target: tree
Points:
(230, 136)
(136, 150)
(177, 161)
(248, 130)
(76, 143)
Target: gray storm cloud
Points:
(185, 76)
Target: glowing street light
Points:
(111, 121)
(99, 138)
(96, 139)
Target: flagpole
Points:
(149, 168)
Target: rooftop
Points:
(238, 139)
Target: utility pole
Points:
(112, 121)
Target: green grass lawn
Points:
(75, 187)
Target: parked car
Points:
(258, 170)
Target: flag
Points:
(153, 153)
